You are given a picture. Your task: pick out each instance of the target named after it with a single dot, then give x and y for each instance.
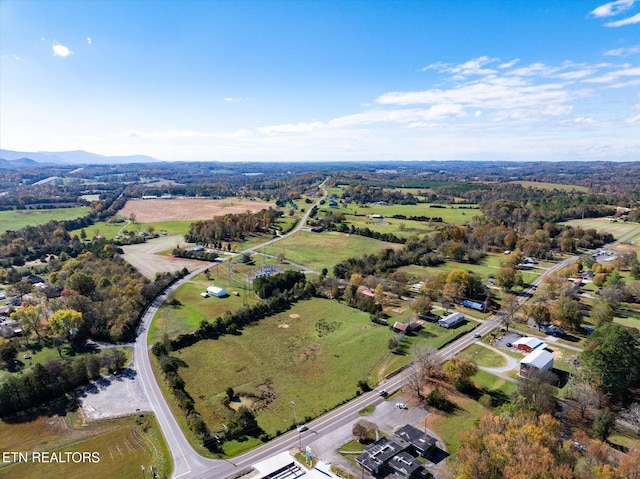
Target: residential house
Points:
(452, 321)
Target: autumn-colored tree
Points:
(460, 370)
(356, 279)
(422, 305)
(364, 430)
(379, 294)
(522, 446)
(508, 309)
(65, 322)
(566, 312)
(30, 319)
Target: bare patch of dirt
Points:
(294, 316)
(283, 326)
(145, 258)
(149, 211)
(309, 353)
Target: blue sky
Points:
(323, 80)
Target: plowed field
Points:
(150, 211)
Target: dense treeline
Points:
(231, 227)
(266, 287)
(202, 255)
(363, 194)
(42, 384)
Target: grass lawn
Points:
(450, 426)
(323, 250)
(123, 446)
(484, 356)
(17, 219)
(491, 383)
(312, 354)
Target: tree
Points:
(356, 279)
(585, 395)
(363, 430)
(81, 282)
(601, 313)
(536, 394)
(602, 424)
(8, 351)
(65, 323)
(566, 312)
(506, 277)
(21, 288)
(611, 358)
(460, 370)
(379, 294)
(422, 305)
(30, 318)
(508, 309)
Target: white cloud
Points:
(292, 128)
(172, 133)
(633, 119)
(627, 21)
(61, 51)
(509, 64)
(612, 8)
(576, 74)
(89, 41)
(614, 76)
(622, 52)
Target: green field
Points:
(312, 354)
(550, 186)
(484, 356)
(617, 229)
(17, 219)
(123, 445)
(323, 250)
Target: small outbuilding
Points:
(533, 363)
(217, 291)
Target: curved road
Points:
(186, 461)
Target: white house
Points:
(217, 291)
(538, 360)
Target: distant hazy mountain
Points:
(78, 157)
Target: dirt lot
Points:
(113, 396)
(145, 258)
(149, 211)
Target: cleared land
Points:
(323, 250)
(123, 446)
(150, 211)
(17, 219)
(312, 354)
(147, 258)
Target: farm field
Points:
(17, 219)
(154, 210)
(617, 229)
(450, 214)
(123, 446)
(550, 186)
(312, 354)
(323, 250)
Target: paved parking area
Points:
(114, 395)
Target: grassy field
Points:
(617, 229)
(312, 354)
(550, 186)
(323, 250)
(17, 219)
(123, 445)
(450, 214)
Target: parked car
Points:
(401, 405)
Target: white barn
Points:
(217, 291)
(538, 360)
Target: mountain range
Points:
(9, 158)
